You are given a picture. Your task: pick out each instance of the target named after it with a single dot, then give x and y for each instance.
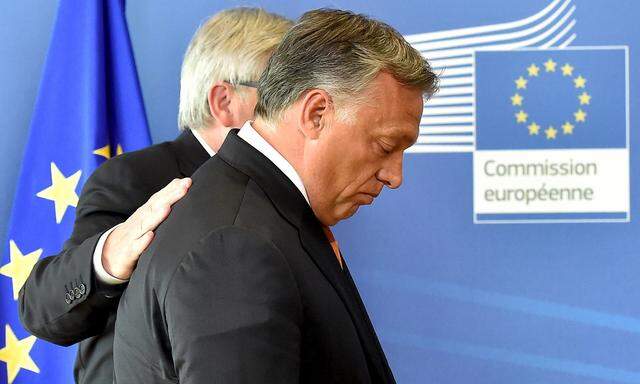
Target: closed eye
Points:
(385, 148)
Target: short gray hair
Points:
(233, 45)
(340, 52)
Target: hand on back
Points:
(127, 241)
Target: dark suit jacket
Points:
(61, 301)
(240, 285)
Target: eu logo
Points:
(545, 99)
(552, 135)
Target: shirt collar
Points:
(253, 138)
(204, 144)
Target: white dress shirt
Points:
(253, 138)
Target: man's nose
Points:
(391, 173)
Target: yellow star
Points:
(521, 83)
(534, 129)
(521, 117)
(551, 133)
(550, 66)
(580, 81)
(567, 70)
(62, 191)
(580, 116)
(567, 128)
(106, 151)
(533, 70)
(584, 98)
(516, 99)
(16, 354)
(19, 267)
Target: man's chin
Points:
(349, 212)
(343, 212)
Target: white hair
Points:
(234, 45)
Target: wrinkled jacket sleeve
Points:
(108, 198)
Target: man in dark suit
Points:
(244, 282)
(72, 297)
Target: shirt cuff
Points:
(102, 275)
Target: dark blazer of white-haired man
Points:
(72, 297)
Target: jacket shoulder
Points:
(159, 158)
(123, 183)
(148, 169)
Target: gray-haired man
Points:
(244, 282)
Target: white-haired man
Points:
(72, 297)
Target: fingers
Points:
(154, 211)
(174, 191)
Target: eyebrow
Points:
(398, 139)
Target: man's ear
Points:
(219, 98)
(316, 109)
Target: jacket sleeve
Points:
(61, 301)
(233, 312)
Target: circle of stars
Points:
(550, 67)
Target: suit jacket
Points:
(241, 285)
(61, 301)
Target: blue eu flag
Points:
(88, 109)
(552, 98)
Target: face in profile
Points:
(356, 157)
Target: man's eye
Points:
(384, 149)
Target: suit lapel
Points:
(382, 359)
(317, 246)
(291, 204)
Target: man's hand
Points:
(127, 241)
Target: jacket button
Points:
(68, 298)
(83, 289)
(76, 292)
